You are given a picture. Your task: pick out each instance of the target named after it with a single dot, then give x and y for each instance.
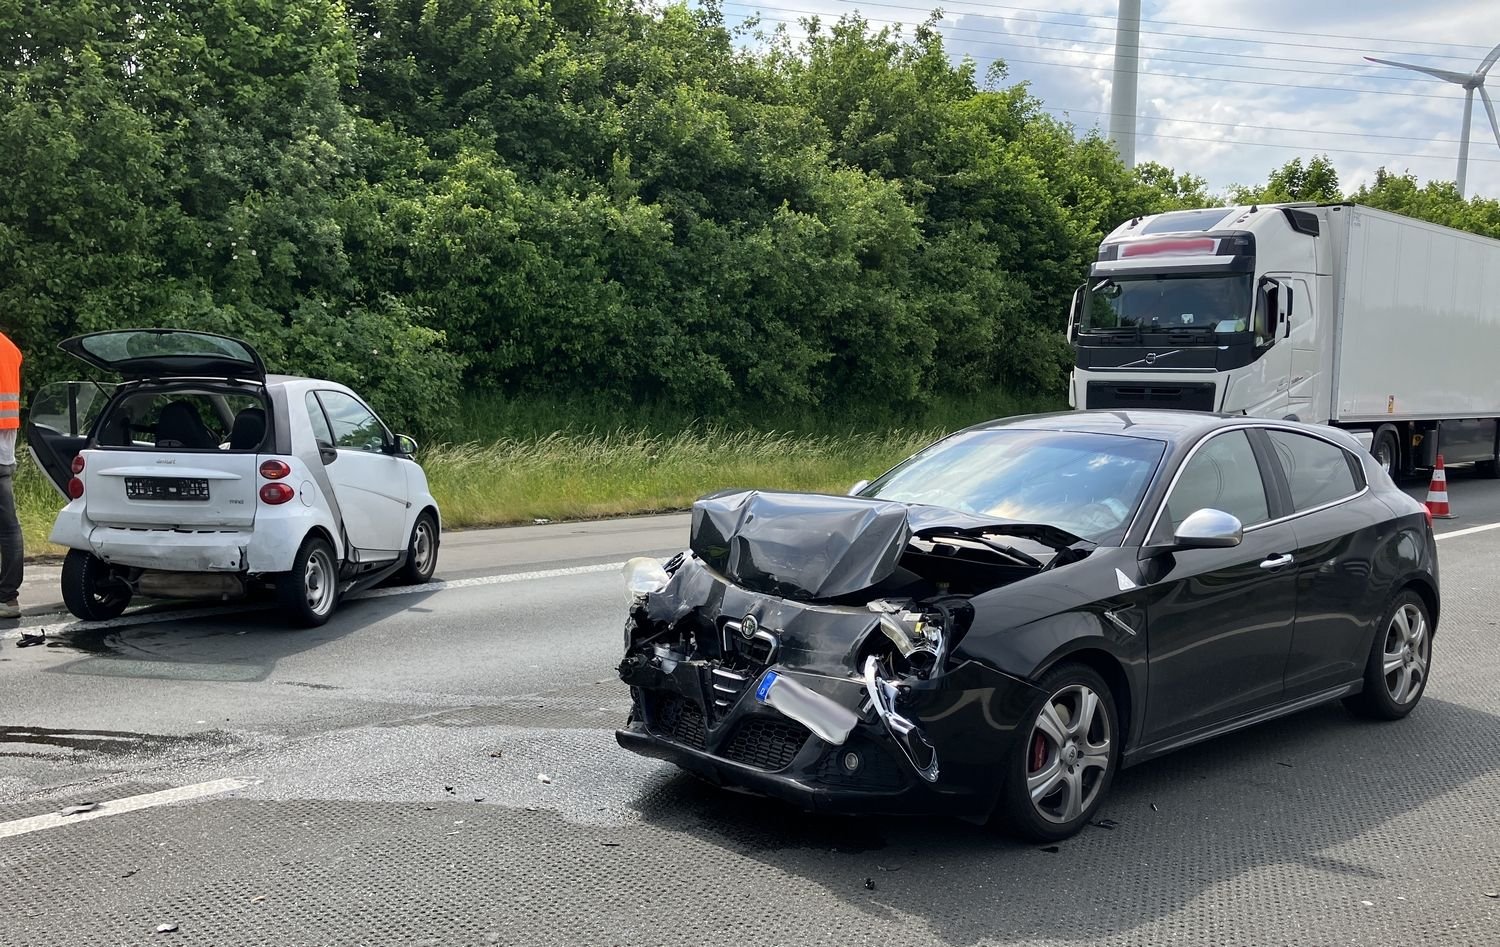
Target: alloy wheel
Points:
(1406, 653)
(1068, 754)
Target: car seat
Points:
(180, 426)
(248, 430)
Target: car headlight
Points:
(644, 575)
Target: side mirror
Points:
(858, 487)
(327, 453)
(1073, 310)
(1208, 529)
(406, 445)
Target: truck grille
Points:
(681, 721)
(1185, 397)
(767, 743)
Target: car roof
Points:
(1171, 426)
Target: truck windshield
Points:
(1219, 303)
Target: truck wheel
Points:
(421, 552)
(1387, 454)
(90, 588)
(1488, 469)
(310, 592)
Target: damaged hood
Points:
(810, 546)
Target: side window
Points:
(1317, 471)
(1222, 475)
(322, 433)
(354, 427)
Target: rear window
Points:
(185, 421)
(1318, 472)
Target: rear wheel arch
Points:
(1429, 595)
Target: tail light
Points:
(75, 488)
(275, 470)
(77, 464)
(1427, 511)
(276, 493)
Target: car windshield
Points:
(1219, 303)
(1088, 484)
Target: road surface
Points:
(438, 767)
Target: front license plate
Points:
(763, 692)
(165, 488)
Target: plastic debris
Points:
(1368, 904)
(1492, 895)
(166, 928)
(540, 521)
(130, 872)
(869, 884)
(1104, 824)
(610, 844)
(1051, 849)
(447, 789)
(497, 754)
(1287, 765)
(1154, 807)
(544, 779)
(889, 867)
(479, 799)
(31, 641)
(257, 899)
(81, 808)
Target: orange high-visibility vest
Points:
(10, 384)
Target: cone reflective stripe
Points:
(1437, 493)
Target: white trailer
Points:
(1335, 314)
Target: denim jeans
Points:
(12, 551)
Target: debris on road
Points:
(166, 928)
(610, 844)
(544, 779)
(1051, 849)
(1104, 824)
(257, 899)
(889, 867)
(81, 808)
(1154, 808)
(1287, 765)
(447, 789)
(479, 799)
(1368, 904)
(31, 641)
(497, 754)
(130, 872)
(1492, 895)
(540, 521)
(869, 884)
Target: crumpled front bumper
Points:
(969, 716)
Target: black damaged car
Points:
(999, 623)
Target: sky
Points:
(1232, 89)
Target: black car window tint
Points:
(322, 433)
(1222, 475)
(354, 427)
(1317, 471)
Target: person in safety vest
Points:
(12, 551)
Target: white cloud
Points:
(1230, 92)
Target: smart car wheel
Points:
(91, 589)
(421, 552)
(310, 592)
(1061, 767)
(1399, 661)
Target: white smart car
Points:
(202, 476)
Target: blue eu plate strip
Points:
(764, 689)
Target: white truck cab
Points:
(1333, 314)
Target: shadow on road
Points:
(1320, 790)
(242, 645)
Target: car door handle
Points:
(1276, 562)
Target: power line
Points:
(1166, 59)
(856, 4)
(1268, 128)
(1169, 75)
(1285, 147)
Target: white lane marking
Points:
(146, 618)
(1468, 532)
(54, 820)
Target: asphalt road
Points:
(438, 767)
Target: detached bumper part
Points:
(909, 737)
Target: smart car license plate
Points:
(165, 488)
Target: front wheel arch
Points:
(1109, 667)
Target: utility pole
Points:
(1122, 92)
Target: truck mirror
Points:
(1074, 311)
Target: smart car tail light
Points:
(275, 469)
(276, 494)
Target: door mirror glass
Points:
(1208, 529)
(854, 490)
(406, 445)
(1073, 311)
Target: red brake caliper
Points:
(1038, 751)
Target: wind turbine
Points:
(1470, 82)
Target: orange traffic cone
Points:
(1437, 493)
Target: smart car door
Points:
(1219, 620)
(368, 476)
(62, 416)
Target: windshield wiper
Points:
(978, 537)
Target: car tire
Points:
(1402, 644)
(421, 552)
(85, 588)
(1047, 808)
(310, 592)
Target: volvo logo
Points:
(1150, 358)
(748, 627)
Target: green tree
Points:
(1316, 181)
